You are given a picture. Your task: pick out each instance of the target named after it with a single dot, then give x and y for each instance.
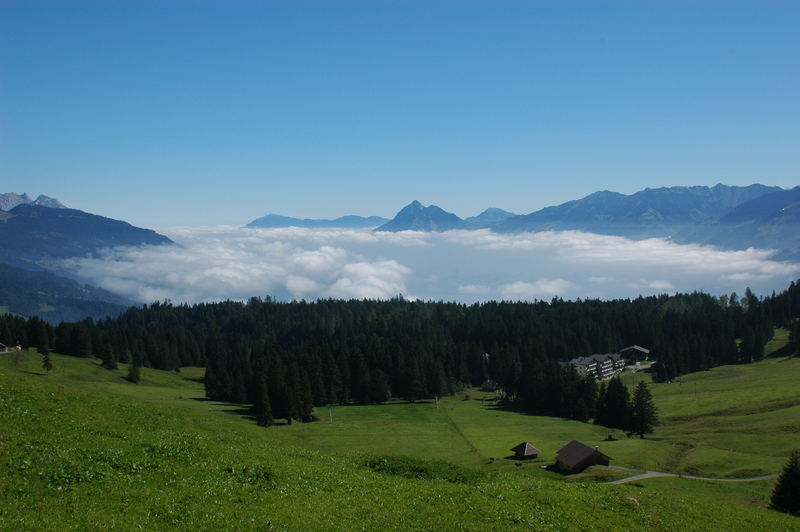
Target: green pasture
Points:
(731, 421)
(83, 449)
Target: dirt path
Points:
(654, 474)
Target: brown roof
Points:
(575, 452)
(526, 449)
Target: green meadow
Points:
(83, 449)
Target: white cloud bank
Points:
(230, 263)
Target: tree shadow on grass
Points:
(786, 352)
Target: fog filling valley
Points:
(211, 264)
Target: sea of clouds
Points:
(211, 264)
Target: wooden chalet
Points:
(635, 352)
(525, 450)
(575, 456)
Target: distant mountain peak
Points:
(417, 217)
(487, 218)
(9, 200)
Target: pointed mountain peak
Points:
(417, 217)
(10, 200)
(413, 206)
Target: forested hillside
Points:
(287, 357)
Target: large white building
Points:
(601, 367)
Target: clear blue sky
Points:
(217, 112)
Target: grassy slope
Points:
(83, 449)
(731, 421)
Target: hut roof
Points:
(575, 452)
(635, 348)
(526, 449)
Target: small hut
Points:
(525, 450)
(489, 386)
(575, 456)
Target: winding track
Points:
(654, 474)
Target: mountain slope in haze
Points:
(416, 217)
(648, 213)
(10, 200)
(36, 237)
(54, 298)
(769, 221)
(488, 218)
(346, 222)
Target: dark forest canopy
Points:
(286, 357)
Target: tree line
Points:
(284, 358)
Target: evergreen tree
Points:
(613, 409)
(47, 364)
(644, 416)
(134, 372)
(786, 494)
(109, 357)
(261, 405)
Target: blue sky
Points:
(211, 112)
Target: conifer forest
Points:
(284, 358)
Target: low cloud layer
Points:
(211, 264)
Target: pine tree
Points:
(644, 416)
(47, 364)
(786, 494)
(614, 406)
(109, 357)
(133, 372)
(262, 409)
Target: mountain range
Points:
(348, 222)
(729, 217)
(36, 235)
(659, 212)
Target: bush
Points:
(404, 466)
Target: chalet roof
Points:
(596, 358)
(526, 449)
(635, 348)
(575, 452)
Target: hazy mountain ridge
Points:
(54, 298)
(730, 217)
(769, 221)
(659, 212)
(347, 222)
(488, 217)
(36, 237)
